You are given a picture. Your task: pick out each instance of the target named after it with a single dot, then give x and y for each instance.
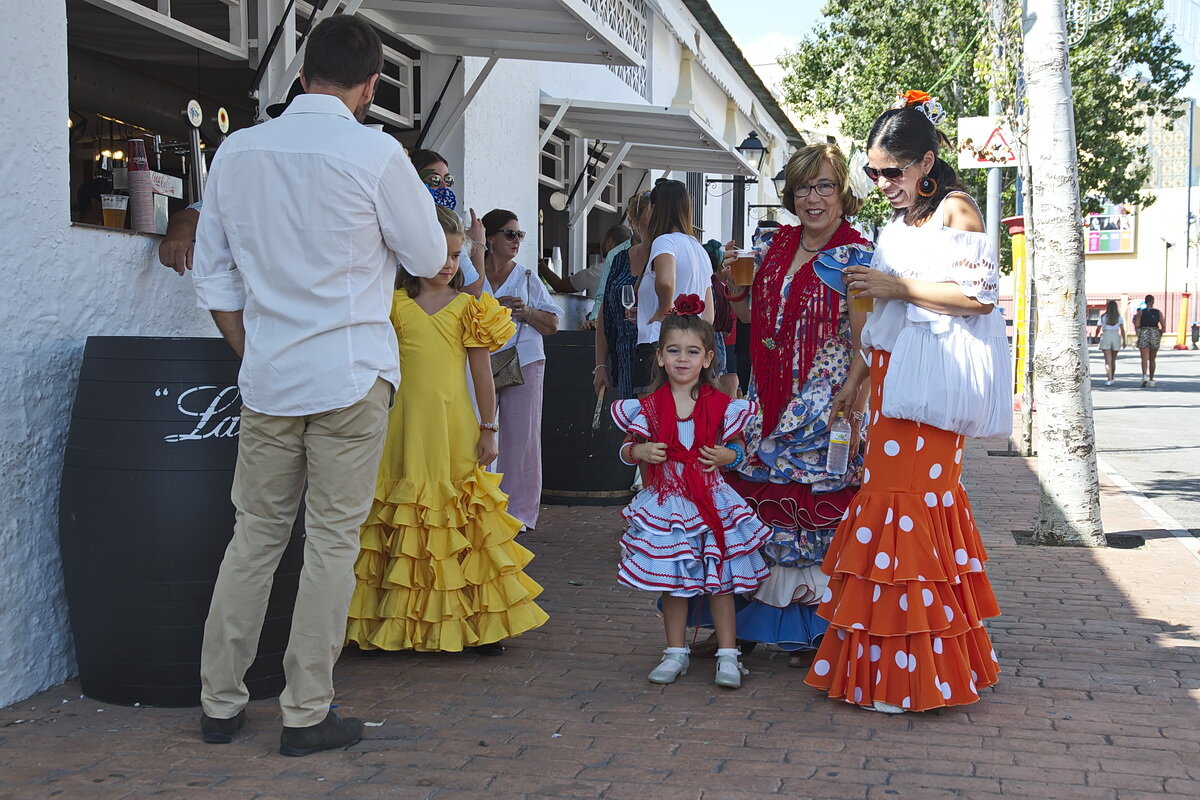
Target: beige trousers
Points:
(338, 453)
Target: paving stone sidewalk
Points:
(1098, 699)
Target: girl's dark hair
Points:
(496, 219)
(906, 134)
(670, 211)
(692, 323)
(452, 226)
(1111, 313)
(423, 158)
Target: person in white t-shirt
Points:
(1111, 331)
(677, 264)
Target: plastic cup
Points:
(113, 207)
(742, 268)
(860, 303)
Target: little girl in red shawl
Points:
(689, 533)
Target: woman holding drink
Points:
(806, 371)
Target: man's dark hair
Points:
(344, 51)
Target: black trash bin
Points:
(145, 516)
(580, 466)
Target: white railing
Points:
(628, 19)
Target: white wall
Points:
(63, 284)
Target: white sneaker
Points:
(675, 663)
(1152, 383)
(886, 708)
(1108, 383)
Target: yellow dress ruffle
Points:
(439, 567)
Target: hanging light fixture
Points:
(753, 150)
(780, 180)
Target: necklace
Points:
(806, 247)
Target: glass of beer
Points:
(860, 303)
(113, 206)
(742, 268)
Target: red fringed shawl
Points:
(773, 350)
(690, 480)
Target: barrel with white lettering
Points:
(145, 516)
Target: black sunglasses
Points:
(518, 236)
(891, 173)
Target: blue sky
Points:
(772, 27)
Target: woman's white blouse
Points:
(535, 295)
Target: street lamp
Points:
(753, 150)
(780, 180)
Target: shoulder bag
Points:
(506, 365)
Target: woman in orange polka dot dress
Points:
(908, 591)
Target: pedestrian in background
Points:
(616, 335)
(1111, 332)
(1148, 322)
(305, 217)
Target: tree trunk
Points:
(1069, 513)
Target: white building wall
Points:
(64, 284)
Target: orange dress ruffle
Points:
(907, 592)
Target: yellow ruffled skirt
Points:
(440, 569)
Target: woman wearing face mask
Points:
(536, 315)
(434, 170)
(908, 592)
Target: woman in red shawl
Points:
(806, 367)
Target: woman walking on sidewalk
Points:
(907, 592)
(1149, 326)
(1111, 332)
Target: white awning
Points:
(660, 137)
(537, 30)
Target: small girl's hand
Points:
(650, 452)
(486, 450)
(714, 458)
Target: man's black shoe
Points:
(331, 732)
(221, 731)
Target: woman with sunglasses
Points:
(434, 171)
(908, 591)
(803, 339)
(520, 407)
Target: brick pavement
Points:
(1098, 700)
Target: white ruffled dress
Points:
(668, 547)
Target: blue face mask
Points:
(443, 196)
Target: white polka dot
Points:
(976, 565)
(948, 499)
(901, 659)
(875, 595)
(878, 676)
(904, 602)
(841, 635)
(858, 510)
(866, 476)
(935, 471)
(876, 652)
(863, 534)
(875, 418)
(896, 562)
(891, 447)
(960, 556)
(887, 520)
(858, 694)
(930, 499)
(912, 663)
(949, 613)
(860, 651)
(858, 626)
(927, 597)
(906, 702)
(921, 578)
(994, 657)
(882, 560)
(906, 523)
(974, 676)
(826, 595)
(920, 442)
(937, 645)
(821, 667)
(945, 687)
(973, 689)
(958, 456)
(846, 514)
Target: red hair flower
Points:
(688, 305)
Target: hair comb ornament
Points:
(688, 305)
(924, 102)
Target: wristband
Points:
(631, 458)
(599, 367)
(494, 427)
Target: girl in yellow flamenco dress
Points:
(439, 568)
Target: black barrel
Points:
(580, 466)
(145, 516)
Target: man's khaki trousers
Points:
(337, 452)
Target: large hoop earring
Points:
(926, 187)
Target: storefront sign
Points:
(1110, 231)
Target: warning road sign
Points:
(985, 142)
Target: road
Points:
(1150, 436)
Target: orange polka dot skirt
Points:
(907, 592)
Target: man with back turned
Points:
(304, 219)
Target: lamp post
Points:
(754, 151)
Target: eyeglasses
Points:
(513, 236)
(891, 173)
(823, 189)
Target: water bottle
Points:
(839, 446)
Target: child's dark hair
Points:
(690, 323)
(453, 226)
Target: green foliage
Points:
(867, 51)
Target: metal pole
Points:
(995, 109)
(739, 209)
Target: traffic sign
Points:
(985, 142)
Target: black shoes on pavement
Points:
(328, 734)
(221, 731)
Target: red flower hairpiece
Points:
(688, 305)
